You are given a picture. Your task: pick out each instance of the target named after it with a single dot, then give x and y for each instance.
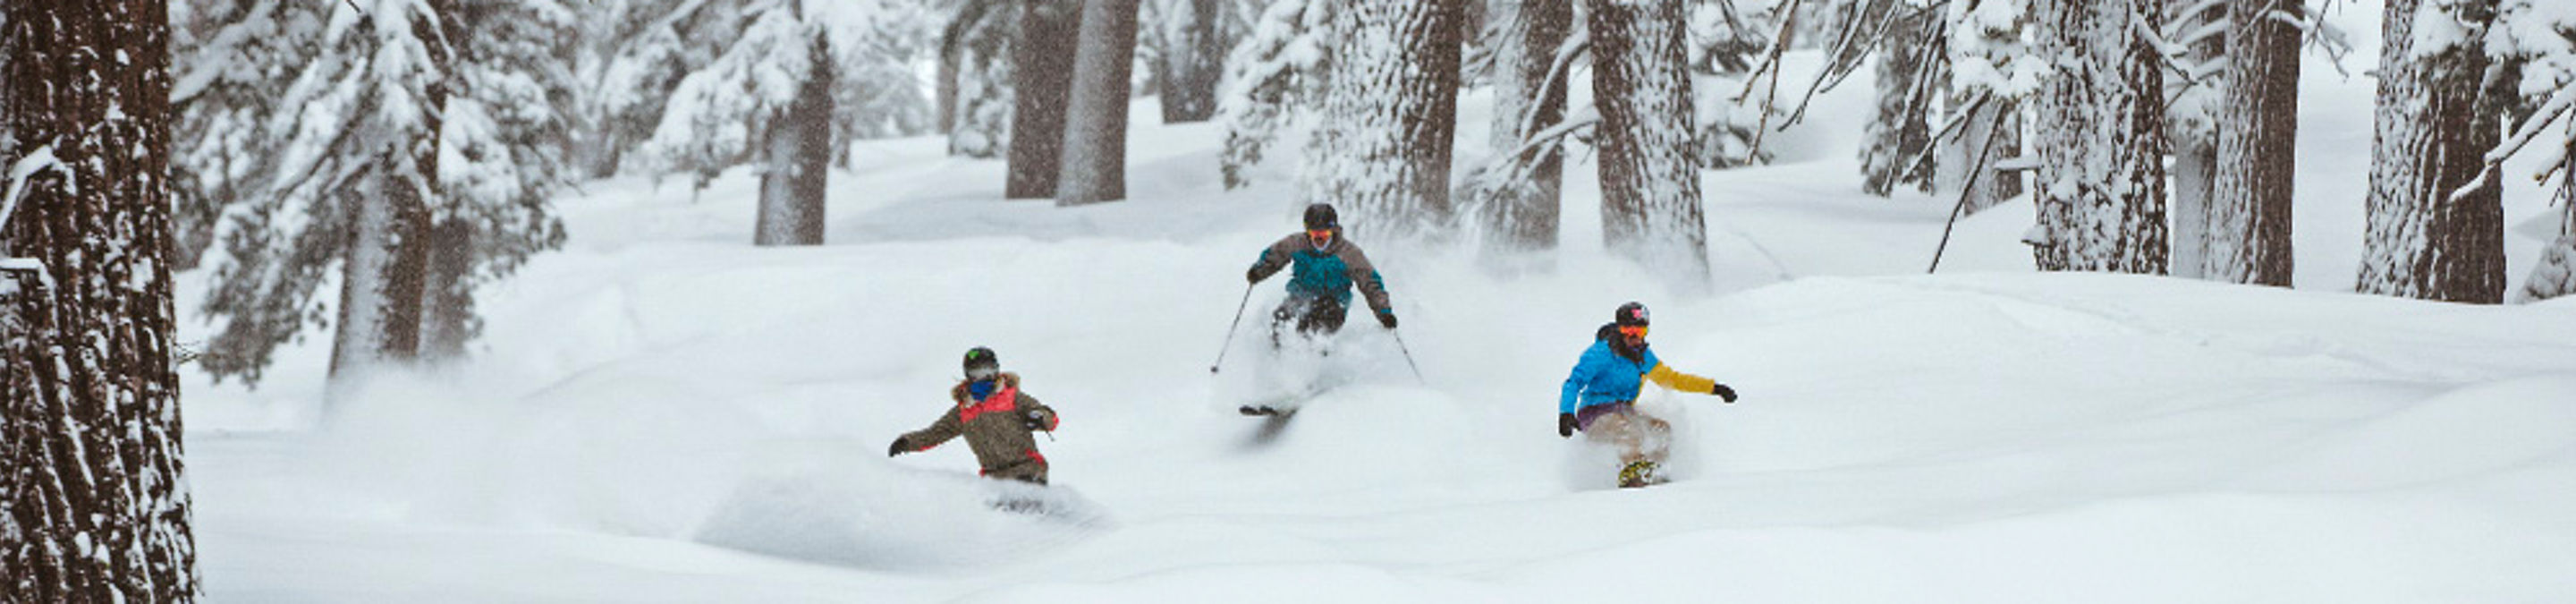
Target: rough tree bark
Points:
(1523, 216)
(1042, 70)
(2258, 129)
(1650, 204)
(94, 504)
(2434, 232)
(2101, 138)
(1382, 151)
(2193, 127)
(1095, 133)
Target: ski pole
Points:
(1408, 357)
(1231, 327)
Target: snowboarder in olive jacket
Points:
(1326, 267)
(996, 419)
(1600, 398)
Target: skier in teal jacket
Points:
(1326, 266)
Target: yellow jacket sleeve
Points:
(1664, 374)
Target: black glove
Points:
(1565, 425)
(900, 447)
(1034, 420)
(1723, 392)
(1253, 275)
(1387, 319)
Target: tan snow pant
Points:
(1636, 436)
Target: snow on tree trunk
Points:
(1193, 60)
(2192, 124)
(1095, 132)
(796, 158)
(94, 505)
(1650, 199)
(2249, 204)
(1042, 70)
(1902, 129)
(975, 85)
(1522, 215)
(381, 284)
(2101, 138)
(2434, 232)
(1382, 150)
(1992, 131)
(447, 302)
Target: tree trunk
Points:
(2249, 204)
(2101, 197)
(2193, 125)
(797, 159)
(1042, 72)
(2433, 232)
(1523, 216)
(1993, 132)
(1194, 61)
(382, 282)
(1095, 133)
(1382, 153)
(447, 313)
(1650, 198)
(94, 504)
(975, 81)
(1902, 129)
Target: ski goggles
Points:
(1633, 331)
(1319, 236)
(980, 373)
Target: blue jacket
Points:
(1604, 377)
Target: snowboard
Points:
(1641, 474)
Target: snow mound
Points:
(882, 518)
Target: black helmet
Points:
(1630, 314)
(1319, 216)
(982, 358)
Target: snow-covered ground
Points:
(662, 413)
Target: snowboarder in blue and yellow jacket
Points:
(1325, 268)
(1600, 398)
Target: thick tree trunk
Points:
(2101, 197)
(1383, 151)
(94, 504)
(1095, 133)
(1993, 133)
(1650, 198)
(1042, 72)
(796, 160)
(1523, 216)
(2249, 204)
(1195, 61)
(2433, 232)
(382, 281)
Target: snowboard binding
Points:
(1639, 474)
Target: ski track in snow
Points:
(663, 413)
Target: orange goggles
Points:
(1634, 331)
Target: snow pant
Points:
(1029, 471)
(1636, 436)
(1312, 317)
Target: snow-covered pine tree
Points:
(94, 502)
(228, 58)
(1271, 78)
(1381, 150)
(1530, 64)
(1196, 35)
(1095, 132)
(636, 53)
(1727, 42)
(2196, 84)
(1042, 70)
(1909, 61)
(975, 77)
(2249, 201)
(2435, 228)
(2100, 138)
(1650, 198)
(2536, 40)
(504, 154)
(1993, 73)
